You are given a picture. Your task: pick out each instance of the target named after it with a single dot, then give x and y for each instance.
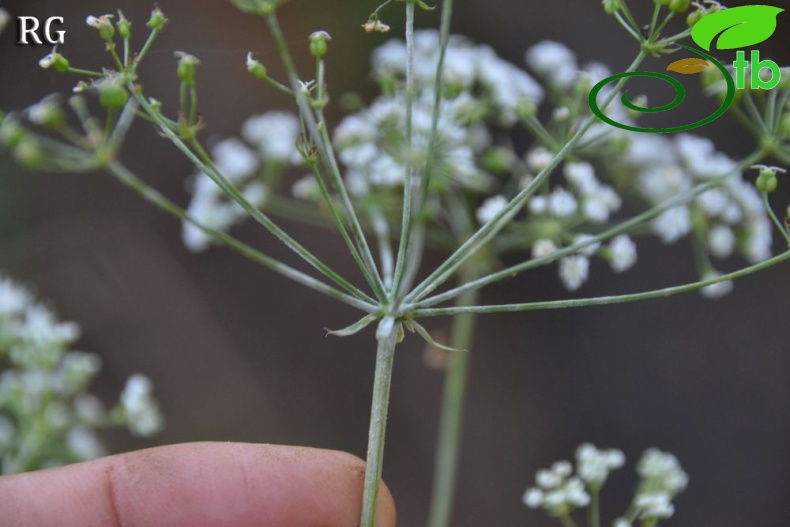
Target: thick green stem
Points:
(385, 355)
(448, 446)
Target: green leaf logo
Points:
(740, 27)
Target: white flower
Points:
(713, 202)
(621, 522)
(306, 188)
(554, 61)
(234, 160)
(758, 241)
(539, 158)
(623, 253)
(672, 224)
(717, 290)
(582, 176)
(98, 22)
(661, 470)
(47, 61)
(142, 413)
(533, 498)
(562, 203)
(14, 298)
(543, 248)
(654, 505)
(594, 466)
(538, 205)
(490, 208)
(721, 241)
(573, 271)
(588, 250)
(274, 133)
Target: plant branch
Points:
(603, 300)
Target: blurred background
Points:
(239, 354)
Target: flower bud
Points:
(29, 153)
(679, 6)
(375, 26)
(112, 93)
(612, 6)
(47, 113)
(158, 20)
(694, 17)
(56, 61)
(318, 44)
(257, 69)
(187, 65)
(104, 25)
(766, 181)
(11, 132)
(124, 26)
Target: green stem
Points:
(385, 355)
(418, 237)
(122, 174)
(451, 419)
(594, 512)
(603, 300)
(408, 184)
(321, 137)
(567, 521)
(233, 193)
(774, 219)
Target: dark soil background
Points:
(240, 354)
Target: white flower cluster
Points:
(274, 136)
(585, 201)
(731, 212)
(47, 417)
(372, 144)
(557, 491)
(594, 466)
(662, 479)
(468, 68)
(139, 406)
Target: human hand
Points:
(196, 485)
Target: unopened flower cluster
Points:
(47, 415)
(560, 491)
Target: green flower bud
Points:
(766, 181)
(613, 6)
(11, 132)
(694, 17)
(104, 25)
(29, 153)
(124, 26)
(187, 66)
(56, 61)
(112, 93)
(679, 6)
(318, 44)
(47, 113)
(158, 20)
(257, 69)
